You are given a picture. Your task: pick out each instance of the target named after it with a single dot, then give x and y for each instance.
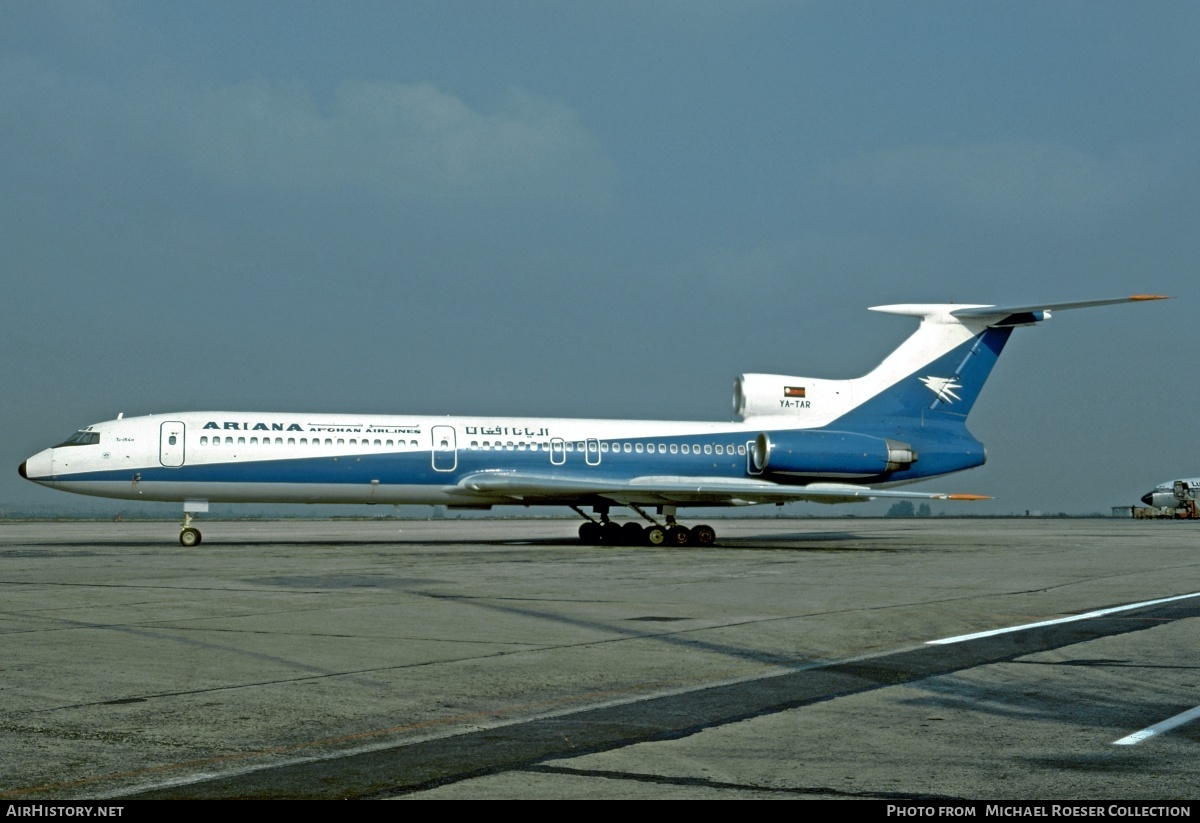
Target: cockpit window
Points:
(80, 439)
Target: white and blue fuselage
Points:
(337, 458)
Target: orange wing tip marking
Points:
(1149, 297)
(967, 497)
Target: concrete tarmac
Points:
(501, 659)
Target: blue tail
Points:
(941, 391)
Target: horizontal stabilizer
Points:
(984, 312)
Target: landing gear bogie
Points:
(671, 534)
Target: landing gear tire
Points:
(611, 533)
(654, 535)
(679, 536)
(631, 534)
(189, 537)
(589, 533)
(703, 535)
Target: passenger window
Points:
(674, 448)
(627, 448)
(204, 441)
(686, 448)
(707, 448)
(638, 448)
(720, 450)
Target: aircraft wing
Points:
(653, 490)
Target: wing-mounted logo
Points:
(943, 387)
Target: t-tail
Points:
(919, 396)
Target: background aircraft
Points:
(798, 438)
(1171, 493)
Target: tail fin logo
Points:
(943, 387)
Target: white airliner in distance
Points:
(798, 438)
(1172, 493)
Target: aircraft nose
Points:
(21, 470)
(1148, 498)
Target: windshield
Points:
(80, 439)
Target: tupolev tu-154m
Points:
(796, 439)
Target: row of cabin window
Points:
(628, 448)
(663, 448)
(316, 441)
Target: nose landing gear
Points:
(188, 536)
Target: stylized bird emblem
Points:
(943, 387)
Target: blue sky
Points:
(600, 209)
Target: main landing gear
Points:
(670, 533)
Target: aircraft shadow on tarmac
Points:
(792, 541)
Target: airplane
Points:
(796, 439)
(1172, 494)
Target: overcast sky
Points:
(603, 209)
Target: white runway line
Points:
(1086, 616)
(1158, 728)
